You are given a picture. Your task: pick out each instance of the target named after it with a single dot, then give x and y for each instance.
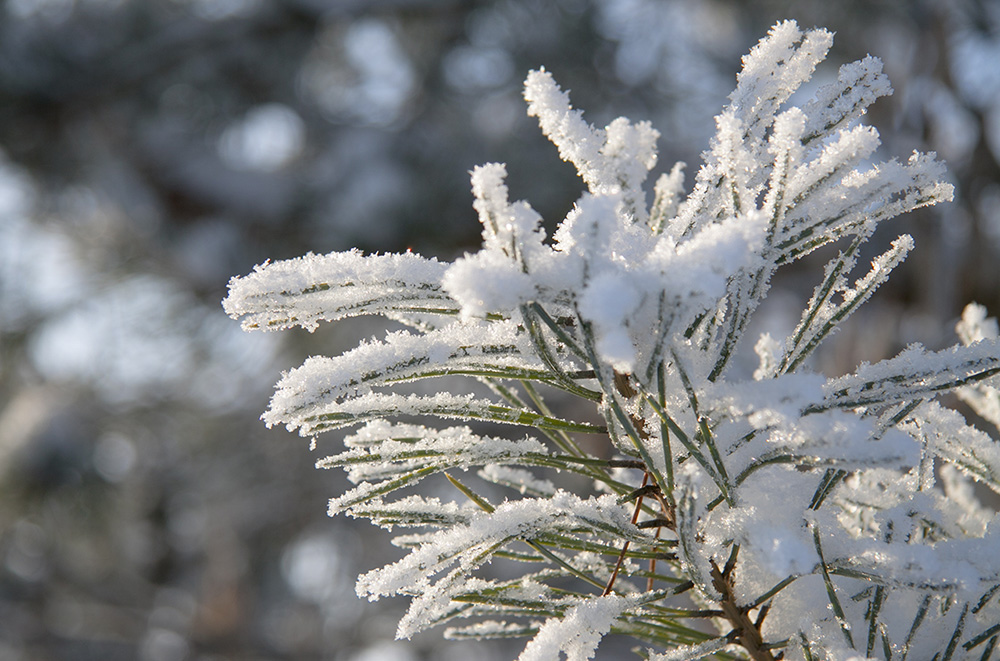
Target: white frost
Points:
(840, 499)
(577, 633)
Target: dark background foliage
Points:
(151, 149)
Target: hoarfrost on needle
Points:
(843, 507)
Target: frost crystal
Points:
(806, 517)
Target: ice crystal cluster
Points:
(702, 513)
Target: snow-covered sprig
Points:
(804, 516)
(314, 288)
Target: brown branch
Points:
(746, 633)
(621, 556)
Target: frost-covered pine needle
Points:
(802, 516)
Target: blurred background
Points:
(152, 149)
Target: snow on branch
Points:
(306, 290)
(476, 349)
(315, 418)
(837, 104)
(578, 632)
(662, 488)
(616, 159)
(913, 374)
(984, 398)
(772, 72)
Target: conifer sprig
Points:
(804, 516)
